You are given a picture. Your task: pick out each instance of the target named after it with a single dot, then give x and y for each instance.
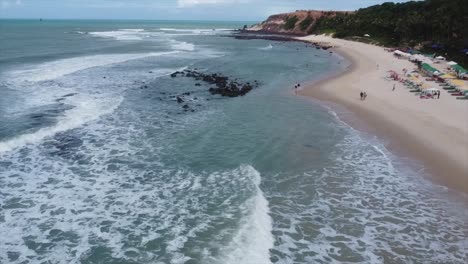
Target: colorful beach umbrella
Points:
(448, 76)
(458, 83)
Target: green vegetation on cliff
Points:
(290, 22)
(304, 25)
(440, 25)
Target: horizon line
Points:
(122, 19)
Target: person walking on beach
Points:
(438, 94)
(362, 95)
(393, 87)
(295, 89)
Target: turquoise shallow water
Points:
(100, 164)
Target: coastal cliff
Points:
(431, 26)
(301, 22)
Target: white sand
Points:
(434, 131)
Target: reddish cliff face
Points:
(299, 22)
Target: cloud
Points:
(4, 4)
(191, 3)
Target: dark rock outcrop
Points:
(222, 85)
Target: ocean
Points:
(99, 163)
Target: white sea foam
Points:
(86, 108)
(55, 69)
(253, 240)
(362, 209)
(269, 47)
(182, 45)
(132, 29)
(190, 31)
(122, 34)
(164, 212)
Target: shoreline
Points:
(409, 126)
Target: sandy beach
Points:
(434, 132)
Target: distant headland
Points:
(430, 26)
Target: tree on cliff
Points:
(442, 22)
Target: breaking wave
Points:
(55, 69)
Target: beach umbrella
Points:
(448, 76)
(458, 82)
(459, 69)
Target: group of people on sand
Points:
(363, 95)
(296, 87)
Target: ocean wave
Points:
(132, 29)
(55, 69)
(196, 31)
(253, 240)
(122, 34)
(182, 45)
(161, 212)
(85, 108)
(361, 208)
(269, 47)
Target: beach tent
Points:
(429, 70)
(439, 58)
(459, 69)
(431, 91)
(401, 53)
(451, 63)
(366, 35)
(419, 57)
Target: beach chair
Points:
(460, 93)
(425, 96)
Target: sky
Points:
(235, 10)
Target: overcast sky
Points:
(241, 10)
